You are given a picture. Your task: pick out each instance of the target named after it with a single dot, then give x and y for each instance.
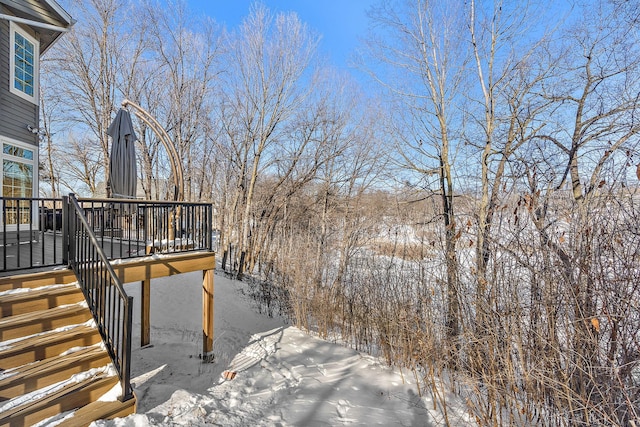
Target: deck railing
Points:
(86, 234)
(112, 308)
(31, 233)
(32, 229)
(134, 228)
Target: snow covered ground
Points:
(284, 376)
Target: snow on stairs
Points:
(52, 360)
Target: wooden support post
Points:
(145, 317)
(207, 314)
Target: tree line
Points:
(471, 215)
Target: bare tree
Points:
(82, 165)
(424, 51)
(269, 62)
(49, 109)
(510, 70)
(186, 66)
(94, 63)
(596, 106)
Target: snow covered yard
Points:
(284, 376)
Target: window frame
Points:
(13, 30)
(34, 179)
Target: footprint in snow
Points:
(322, 370)
(342, 407)
(261, 347)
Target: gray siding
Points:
(15, 113)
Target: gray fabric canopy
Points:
(122, 165)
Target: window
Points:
(24, 64)
(17, 151)
(18, 180)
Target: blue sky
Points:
(339, 22)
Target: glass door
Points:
(17, 188)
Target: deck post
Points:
(65, 230)
(207, 314)
(145, 310)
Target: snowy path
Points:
(284, 376)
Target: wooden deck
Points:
(176, 236)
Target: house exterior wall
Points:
(39, 23)
(15, 113)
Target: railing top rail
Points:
(141, 202)
(35, 199)
(98, 248)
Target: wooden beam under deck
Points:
(153, 267)
(144, 269)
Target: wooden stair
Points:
(52, 360)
